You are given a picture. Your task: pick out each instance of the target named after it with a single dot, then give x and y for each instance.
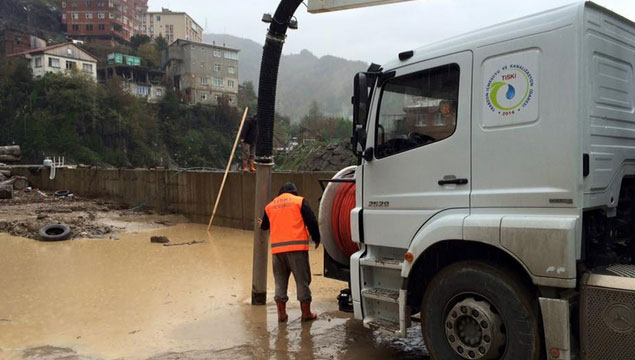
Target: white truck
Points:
(495, 192)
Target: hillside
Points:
(303, 78)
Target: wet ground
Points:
(132, 299)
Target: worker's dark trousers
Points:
(296, 262)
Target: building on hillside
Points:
(202, 73)
(104, 21)
(60, 58)
(13, 41)
(137, 80)
(171, 25)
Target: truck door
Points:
(420, 133)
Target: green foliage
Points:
(161, 43)
(316, 126)
(139, 39)
(99, 124)
(149, 55)
(247, 97)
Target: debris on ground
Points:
(29, 211)
(159, 239)
(185, 243)
(6, 192)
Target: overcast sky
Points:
(374, 34)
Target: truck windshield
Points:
(417, 109)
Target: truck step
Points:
(386, 326)
(382, 262)
(387, 295)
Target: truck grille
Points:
(608, 317)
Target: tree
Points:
(161, 43)
(247, 97)
(149, 54)
(139, 39)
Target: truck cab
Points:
(495, 191)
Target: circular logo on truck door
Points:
(509, 90)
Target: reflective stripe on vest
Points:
(288, 232)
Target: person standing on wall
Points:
(248, 142)
(291, 220)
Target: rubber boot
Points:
(307, 315)
(245, 168)
(282, 311)
(252, 168)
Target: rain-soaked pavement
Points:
(130, 299)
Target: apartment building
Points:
(62, 58)
(106, 21)
(171, 25)
(202, 73)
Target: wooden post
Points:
(229, 164)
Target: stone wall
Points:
(189, 193)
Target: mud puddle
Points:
(131, 299)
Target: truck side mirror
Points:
(360, 102)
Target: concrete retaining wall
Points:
(189, 193)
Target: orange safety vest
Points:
(288, 232)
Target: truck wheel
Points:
(472, 310)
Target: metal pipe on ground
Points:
(264, 144)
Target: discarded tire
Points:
(55, 232)
(62, 193)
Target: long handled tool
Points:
(229, 163)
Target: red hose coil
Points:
(343, 204)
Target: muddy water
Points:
(128, 298)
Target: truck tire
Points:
(472, 310)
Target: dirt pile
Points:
(316, 157)
(28, 212)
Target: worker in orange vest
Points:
(288, 217)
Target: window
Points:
(158, 17)
(64, 16)
(89, 27)
(111, 15)
(74, 15)
(217, 53)
(75, 27)
(101, 15)
(217, 81)
(203, 80)
(231, 55)
(54, 62)
(204, 96)
(417, 109)
(37, 62)
(216, 67)
(230, 83)
(231, 69)
(89, 15)
(63, 4)
(70, 65)
(101, 27)
(87, 68)
(143, 90)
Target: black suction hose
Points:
(269, 78)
